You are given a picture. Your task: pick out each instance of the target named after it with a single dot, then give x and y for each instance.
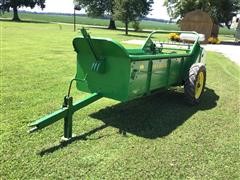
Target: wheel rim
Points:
(199, 85)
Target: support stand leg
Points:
(68, 102)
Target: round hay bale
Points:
(200, 22)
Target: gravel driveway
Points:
(230, 51)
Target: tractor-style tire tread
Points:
(190, 83)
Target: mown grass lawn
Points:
(165, 138)
(105, 22)
(225, 33)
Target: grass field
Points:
(104, 22)
(165, 138)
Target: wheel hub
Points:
(199, 85)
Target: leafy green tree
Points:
(96, 8)
(131, 10)
(5, 5)
(221, 11)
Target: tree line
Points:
(128, 11)
(221, 11)
(124, 10)
(5, 5)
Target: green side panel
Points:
(162, 75)
(175, 71)
(138, 79)
(165, 71)
(113, 82)
(159, 74)
(128, 73)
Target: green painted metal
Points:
(86, 101)
(65, 112)
(149, 77)
(131, 73)
(111, 83)
(98, 65)
(68, 102)
(106, 69)
(48, 120)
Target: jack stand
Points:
(65, 112)
(68, 103)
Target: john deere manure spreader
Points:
(106, 69)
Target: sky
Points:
(66, 6)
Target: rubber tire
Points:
(190, 83)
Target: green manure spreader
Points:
(106, 69)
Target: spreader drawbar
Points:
(65, 112)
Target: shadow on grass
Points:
(24, 21)
(76, 138)
(154, 116)
(150, 117)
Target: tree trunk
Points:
(112, 24)
(126, 27)
(215, 30)
(15, 14)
